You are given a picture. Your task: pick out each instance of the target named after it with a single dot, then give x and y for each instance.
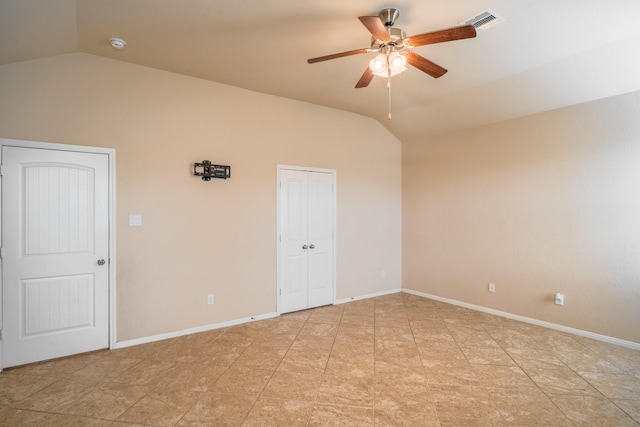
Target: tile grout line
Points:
(423, 370)
(324, 371)
(274, 370)
(375, 362)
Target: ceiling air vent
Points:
(484, 20)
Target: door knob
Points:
(101, 262)
(305, 247)
(312, 246)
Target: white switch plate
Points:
(492, 287)
(135, 220)
(559, 298)
(210, 299)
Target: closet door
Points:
(306, 249)
(320, 237)
(294, 244)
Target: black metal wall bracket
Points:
(207, 171)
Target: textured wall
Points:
(160, 123)
(546, 203)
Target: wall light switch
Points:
(135, 220)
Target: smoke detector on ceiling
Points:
(484, 20)
(117, 43)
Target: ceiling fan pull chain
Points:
(389, 89)
(389, 84)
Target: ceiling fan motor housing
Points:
(397, 36)
(388, 17)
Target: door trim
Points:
(111, 154)
(278, 231)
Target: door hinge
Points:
(280, 291)
(1, 252)
(1, 170)
(0, 334)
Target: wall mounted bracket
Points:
(207, 171)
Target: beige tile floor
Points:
(392, 360)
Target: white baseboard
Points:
(555, 326)
(174, 334)
(376, 294)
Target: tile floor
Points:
(392, 360)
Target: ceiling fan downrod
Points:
(388, 16)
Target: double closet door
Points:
(306, 259)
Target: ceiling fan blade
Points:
(423, 64)
(366, 78)
(375, 27)
(450, 34)
(337, 55)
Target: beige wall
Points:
(546, 203)
(217, 237)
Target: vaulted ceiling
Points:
(547, 54)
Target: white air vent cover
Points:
(483, 20)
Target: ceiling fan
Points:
(395, 48)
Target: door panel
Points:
(52, 305)
(293, 238)
(321, 237)
(55, 229)
(58, 213)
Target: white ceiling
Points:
(548, 54)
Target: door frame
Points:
(111, 154)
(279, 275)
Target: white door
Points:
(320, 235)
(306, 257)
(55, 246)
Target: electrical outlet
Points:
(492, 287)
(383, 274)
(210, 299)
(559, 298)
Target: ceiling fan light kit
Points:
(388, 65)
(395, 49)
